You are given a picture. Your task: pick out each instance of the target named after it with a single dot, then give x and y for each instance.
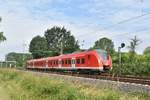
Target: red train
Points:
(92, 60)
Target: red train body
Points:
(97, 60)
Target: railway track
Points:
(136, 80)
(106, 76)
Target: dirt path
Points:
(3, 94)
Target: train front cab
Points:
(105, 59)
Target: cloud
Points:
(124, 15)
(22, 20)
(134, 4)
(127, 2)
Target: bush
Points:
(132, 64)
(140, 69)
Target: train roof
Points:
(70, 55)
(76, 53)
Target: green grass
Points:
(18, 85)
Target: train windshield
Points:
(102, 54)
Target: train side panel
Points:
(84, 60)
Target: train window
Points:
(66, 62)
(83, 61)
(62, 62)
(78, 61)
(89, 56)
(56, 62)
(69, 61)
(50, 62)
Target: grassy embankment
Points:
(18, 85)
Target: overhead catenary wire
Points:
(118, 23)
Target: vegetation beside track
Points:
(26, 86)
(135, 69)
(137, 65)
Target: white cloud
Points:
(123, 15)
(134, 3)
(21, 23)
(20, 26)
(127, 2)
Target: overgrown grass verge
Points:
(26, 86)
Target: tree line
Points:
(58, 40)
(55, 41)
(20, 58)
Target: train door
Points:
(59, 63)
(73, 63)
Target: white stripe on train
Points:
(69, 67)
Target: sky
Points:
(88, 20)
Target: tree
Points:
(2, 37)
(105, 44)
(60, 39)
(38, 46)
(18, 57)
(133, 44)
(147, 50)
